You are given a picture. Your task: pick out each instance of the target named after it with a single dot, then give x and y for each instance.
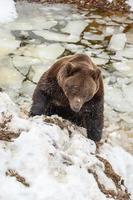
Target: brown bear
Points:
(73, 89)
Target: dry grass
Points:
(5, 133)
(13, 173)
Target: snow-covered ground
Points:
(130, 3)
(49, 158)
(7, 11)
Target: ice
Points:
(99, 61)
(37, 70)
(90, 36)
(127, 91)
(125, 67)
(75, 27)
(7, 11)
(27, 88)
(55, 36)
(10, 78)
(128, 52)
(31, 24)
(23, 63)
(42, 51)
(110, 30)
(49, 52)
(118, 42)
(74, 48)
(8, 44)
(116, 99)
(129, 37)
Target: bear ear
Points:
(64, 72)
(95, 73)
(68, 69)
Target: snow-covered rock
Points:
(49, 158)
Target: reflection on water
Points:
(40, 35)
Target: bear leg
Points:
(40, 103)
(93, 119)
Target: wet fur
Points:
(49, 99)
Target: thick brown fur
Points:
(73, 89)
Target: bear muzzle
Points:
(76, 104)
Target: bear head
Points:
(79, 83)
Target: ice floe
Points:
(118, 42)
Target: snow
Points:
(7, 11)
(52, 163)
(130, 3)
(116, 154)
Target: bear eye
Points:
(75, 86)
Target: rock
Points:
(117, 42)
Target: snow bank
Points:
(7, 11)
(49, 158)
(130, 3)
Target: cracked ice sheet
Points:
(7, 11)
(72, 32)
(10, 78)
(8, 44)
(42, 51)
(34, 157)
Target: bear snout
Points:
(76, 104)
